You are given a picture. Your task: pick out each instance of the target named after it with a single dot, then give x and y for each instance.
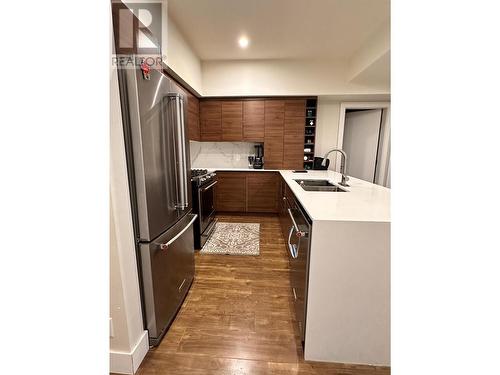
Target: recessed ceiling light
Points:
(243, 42)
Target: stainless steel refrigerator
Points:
(158, 165)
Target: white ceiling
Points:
(278, 29)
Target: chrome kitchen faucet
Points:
(343, 162)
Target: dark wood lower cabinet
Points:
(230, 192)
(247, 192)
(262, 192)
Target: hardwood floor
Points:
(238, 319)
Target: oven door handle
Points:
(210, 186)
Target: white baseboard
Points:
(128, 363)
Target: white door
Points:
(361, 139)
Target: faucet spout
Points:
(343, 162)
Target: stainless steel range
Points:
(203, 205)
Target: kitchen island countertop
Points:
(363, 201)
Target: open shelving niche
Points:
(310, 132)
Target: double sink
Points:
(319, 185)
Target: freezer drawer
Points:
(167, 265)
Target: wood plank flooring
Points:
(238, 319)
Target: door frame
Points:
(385, 135)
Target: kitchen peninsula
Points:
(348, 283)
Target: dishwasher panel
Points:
(298, 243)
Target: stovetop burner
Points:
(198, 172)
(201, 177)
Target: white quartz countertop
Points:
(240, 170)
(363, 201)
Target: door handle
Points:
(210, 186)
(185, 202)
(180, 139)
(164, 246)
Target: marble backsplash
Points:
(220, 154)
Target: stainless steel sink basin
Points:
(319, 185)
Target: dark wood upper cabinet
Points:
(280, 123)
(295, 108)
(210, 120)
(232, 120)
(293, 139)
(274, 117)
(193, 117)
(253, 120)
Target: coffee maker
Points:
(258, 162)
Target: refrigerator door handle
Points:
(184, 166)
(182, 184)
(164, 246)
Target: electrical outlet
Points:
(111, 330)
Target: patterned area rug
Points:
(233, 239)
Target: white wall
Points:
(119, 339)
(279, 77)
(378, 46)
(181, 57)
(327, 127)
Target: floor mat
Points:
(234, 239)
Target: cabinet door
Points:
(193, 117)
(274, 117)
(230, 192)
(253, 120)
(210, 120)
(232, 120)
(293, 140)
(263, 192)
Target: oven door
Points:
(206, 196)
